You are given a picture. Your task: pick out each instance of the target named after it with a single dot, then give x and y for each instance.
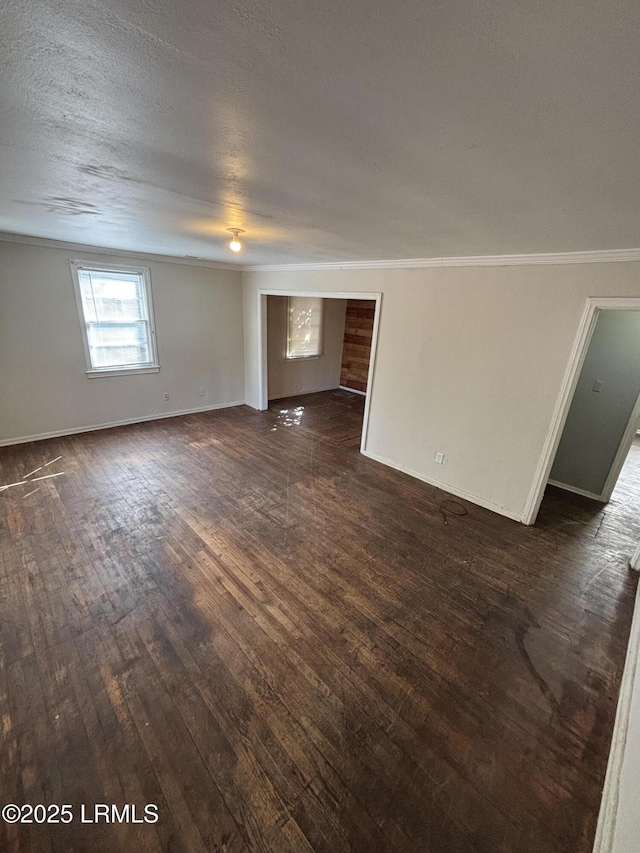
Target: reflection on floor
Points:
(237, 617)
(329, 415)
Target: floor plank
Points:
(286, 646)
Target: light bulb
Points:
(235, 245)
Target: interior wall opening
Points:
(598, 456)
(319, 357)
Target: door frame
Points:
(622, 452)
(592, 307)
(263, 380)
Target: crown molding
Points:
(8, 237)
(595, 257)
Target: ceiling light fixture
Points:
(235, 245)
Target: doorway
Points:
(598, 410)
(318, 356)
(604, 412)
(342, 354)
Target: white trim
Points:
(445, 487)
(25, 239)
(587, 257)
(576, 491)
(263, 358)
(353, 390)
(301, 393)
(608, 815)
(303, 358)
(595, 257)
(124, 371)
(263, 381)
(622, 452)
(371, 371)
(323, 294)
(578, 354)
(77, 265)
(6, 442)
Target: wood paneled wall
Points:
(356, 349)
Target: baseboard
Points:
(6, 442)
(576, 491)
(445, 487)
(608, 815)
(353, 390)
(302, 393)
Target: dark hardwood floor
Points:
(288, 647)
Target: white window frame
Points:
(320, 332)
(119, 370)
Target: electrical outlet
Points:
(439, 457)
(201, 392)
(165, 396)
(597, 385)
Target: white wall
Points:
(627, 830)
(470, 361)
(287, 377)
(618, 828)
(597, 420)
(43, 385)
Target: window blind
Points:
(304, 333)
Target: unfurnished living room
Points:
(319, 415)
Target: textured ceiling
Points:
(328, 131)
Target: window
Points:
(116, 317)
(304, 327)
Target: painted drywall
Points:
(287, 377)
(44, 388)
(597, 419)
(627, 826)
(618, 828)
(470, 361)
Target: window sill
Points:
(302, 357)
(123, 371)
